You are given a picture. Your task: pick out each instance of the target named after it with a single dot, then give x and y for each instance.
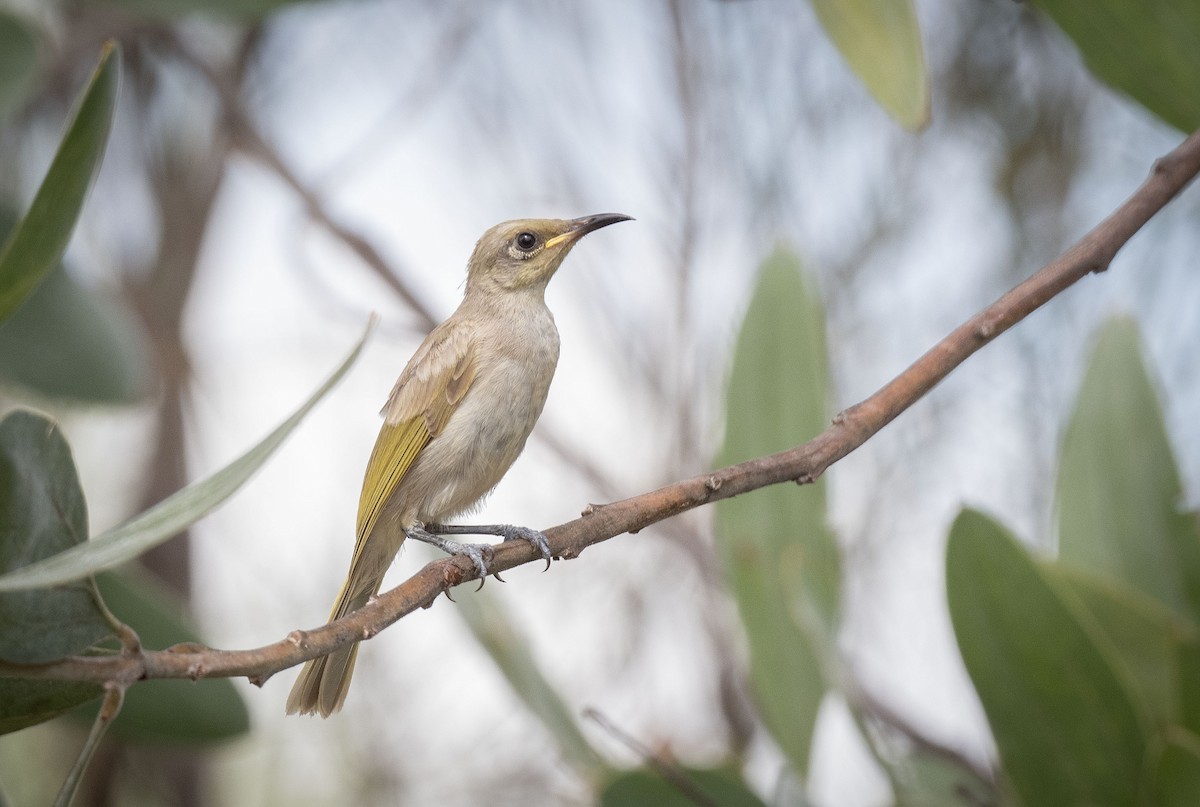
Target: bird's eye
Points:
(526, 241)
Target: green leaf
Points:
(26, 702)
(1142, 635)
(37, 243)
(1175, 779)
(493, 629)
(173, 514)
(168, 712)
(1118, 490)
(69, 342)
(780, 558)
(1149, 50)
(1187, 657)
(1066, 727)
(925, 779)
(642, 788)
(42, 512)
(882, 43)
(18, 62)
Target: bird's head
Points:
(526, 253)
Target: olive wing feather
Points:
(425, 396)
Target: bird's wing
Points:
(426, 394)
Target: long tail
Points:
(323, 682)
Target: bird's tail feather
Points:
(323, 682)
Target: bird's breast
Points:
(512, 383)
(488, 430)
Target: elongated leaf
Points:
(1119, 492)
(1149, 50)
(168, 711)
(42, 512)
(69, 342)
(780, 558)
(37, 243)
(18, 62)
(882, 42)
(167, 518)
(1175, 779)
(1066, 727)
(925, 779)
(1187, 658)
(643, 788)
(493, 629)
(27, 702)
(1143, 636)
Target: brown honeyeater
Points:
(457, 419)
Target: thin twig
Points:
(801, 464)
(110, 707)
(865, 704)
(246, 137)
(668, 770)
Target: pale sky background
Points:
(557, 110)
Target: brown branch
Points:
(802, 464)
(246, 137)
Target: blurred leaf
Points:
(69, 342)
(882, 42)
(1142, 634)
(1065, 726)
(167, 518)
(37, 243)
(18, 62)
(780, 558)
(26, 702)
(236, 9)
(925, 779)
(1149, 50)
(1187, 657)
(493, 629)
(1118, 490)
(643, 788)
(168, 711)
(42, 512)
(1175, 780)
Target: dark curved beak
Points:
(587, 224)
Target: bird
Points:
(456, 420)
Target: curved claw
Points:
(478, 553)
(535, 537)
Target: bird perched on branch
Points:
(456, 420)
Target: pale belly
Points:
(481, 440)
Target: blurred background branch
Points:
(265, 153)
(802, 464)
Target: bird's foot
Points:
(508, 532)
(480, 554)
(535, 537)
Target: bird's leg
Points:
(480, 554)
(509, 532)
